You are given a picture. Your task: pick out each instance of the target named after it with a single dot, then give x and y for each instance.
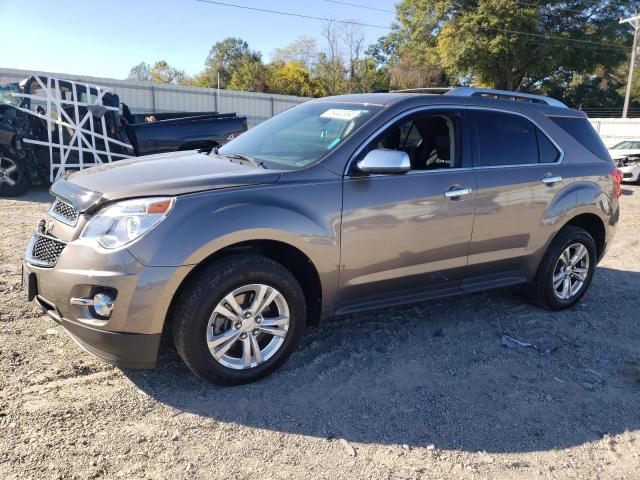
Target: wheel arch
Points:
(594, 225)
(287, 255)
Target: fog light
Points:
(103, 304)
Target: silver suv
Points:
(338, 205)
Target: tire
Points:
(549, 287)
(197, 327)
(15, 178)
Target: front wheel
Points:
(566, 270)
(15, 179)
(239, 319)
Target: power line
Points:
(360, 6)
(352, 22)
(550, 8)
(291, 14)
(571, 40)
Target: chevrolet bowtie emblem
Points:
(45, 227)
(49, 228)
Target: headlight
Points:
(123, 222)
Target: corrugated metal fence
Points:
(151, 97)
(257, 107)
(614, 130)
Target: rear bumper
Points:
(125, 350)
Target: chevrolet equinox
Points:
(338, 205)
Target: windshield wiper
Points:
(251, 160)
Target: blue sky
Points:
(106, 38)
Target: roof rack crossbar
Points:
(505, 95)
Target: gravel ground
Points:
(424, 391)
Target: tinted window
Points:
(583, 132)
(505, 139)
(547, 151)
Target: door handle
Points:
(550, 180)
(457, 192)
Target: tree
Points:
(248, 74)
(140, 73)
(162, 72)
(292, 78)
(329, 69)
(504, 44)
(303, 50)
(223, 58)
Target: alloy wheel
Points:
(248, 326)
(9, 173)
(571, 271)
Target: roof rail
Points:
(505, 95)
(432, 90)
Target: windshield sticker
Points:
(342, 114)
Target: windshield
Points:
(302, 135)
(628, 145)
(6, 94)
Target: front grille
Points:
(46, 250)
(64, 212)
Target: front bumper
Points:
(130, 337)
(126, 350)
(630, 173)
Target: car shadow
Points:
(442, 372)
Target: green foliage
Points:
(291, 78)
(225, 57)
(573, 50)
(248, 74)
(162, 72)
(505, 44)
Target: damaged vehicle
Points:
(626, 154)
(49, 127)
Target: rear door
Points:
(518, 171)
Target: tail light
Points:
(233, 135)
(617, 182)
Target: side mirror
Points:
(385, 161)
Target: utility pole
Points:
(635, 23)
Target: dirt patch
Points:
(431, 390)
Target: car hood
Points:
(621, 153)
(158, 175)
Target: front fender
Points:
(306, 217)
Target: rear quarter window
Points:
(583, 132)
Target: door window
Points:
(429, 140)
(508, 139)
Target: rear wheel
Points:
(239, 319)
(14, 176)
(566, 270)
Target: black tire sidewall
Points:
(202, 301)
(560, 243)
(24, 179)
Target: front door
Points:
(406, 235)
